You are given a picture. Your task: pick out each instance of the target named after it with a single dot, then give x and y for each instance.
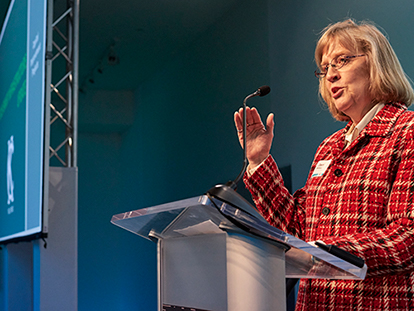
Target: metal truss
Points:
(62, 59)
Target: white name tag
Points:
(321, 168)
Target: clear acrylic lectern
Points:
(216, 257)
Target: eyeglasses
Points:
(337, 63)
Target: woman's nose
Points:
(332, 74)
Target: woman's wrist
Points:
(257, 162)
(253, 166)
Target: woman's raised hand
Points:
(258, 138)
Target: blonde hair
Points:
(388, 82)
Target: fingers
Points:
(252, 117)
(249, 116)
(238, 120)
(270, 123)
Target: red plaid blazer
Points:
(363, 202)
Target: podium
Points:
(218, 256)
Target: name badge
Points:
(321, 168)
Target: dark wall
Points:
(179, 141)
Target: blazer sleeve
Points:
(273, 200)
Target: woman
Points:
(360, 190)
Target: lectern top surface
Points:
(205, 215)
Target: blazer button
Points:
(338, 172)
(325, 211)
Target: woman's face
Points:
(349, 85)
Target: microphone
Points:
(261, 91)
(226, 193)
